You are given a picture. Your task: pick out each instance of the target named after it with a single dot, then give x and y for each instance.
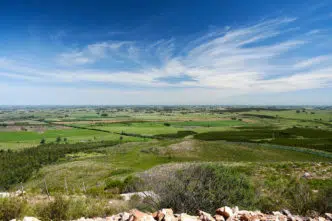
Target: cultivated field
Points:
(94, 150)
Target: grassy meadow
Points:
(20, 139)
(81, 150)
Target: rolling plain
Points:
(93, 151)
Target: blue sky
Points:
(166, 52)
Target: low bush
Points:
(56, 210)
(116, 186)
(204, 186)
(101, 192)
(92, 207)
(132, 184)
(12, 208)
(299, 197)
(200, 186)
(294, 194)
(323, 201)
(121, 171)
(62, 208)
(129, 184)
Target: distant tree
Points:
(298, 111)
(104, 114)
(65, 140)
(42, 141)
(58, 139)
(167, 124)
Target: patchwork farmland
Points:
(102, 152)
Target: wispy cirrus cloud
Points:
(319, 60)
(94, 52)
(258, 58)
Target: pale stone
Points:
(235, 209)
(328, 216)
(124, 216)
(168, 215)
(218, 217)
(225, 211)
(137, 215)
(186, 217)
(30, 218)
(203, 216)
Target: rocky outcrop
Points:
(222, 214)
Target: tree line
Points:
(18, 166)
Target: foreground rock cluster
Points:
(222, 214)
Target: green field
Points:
(299, 114)
(22, 139)
(112, 143)
(298, 137)
(155, 128)
(136, 157)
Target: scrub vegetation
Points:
(270, 155)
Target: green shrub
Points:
(204, 186)
(56, 210)
(91, 207)
(294, 194)
(143, 204)
(129, 184)
(299, 197)
(121, 171)
(323, 201)
(101, 192)
(11, 208)
(66, 209)
(116, 186)
(132, 184)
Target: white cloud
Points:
(75, 58)
(312, 61)
(94, 52)
(255, 59)
(313, 32)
